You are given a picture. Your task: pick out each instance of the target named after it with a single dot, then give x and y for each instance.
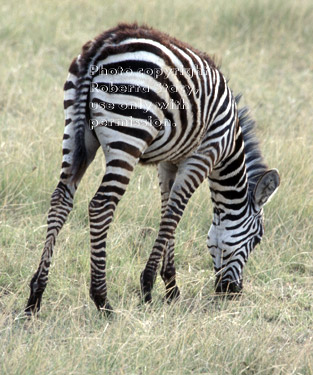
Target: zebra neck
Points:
(229, 186)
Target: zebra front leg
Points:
(167, 229)
(168, 272)
(61, 205)
(190, 175)
(167, 174)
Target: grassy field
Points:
(265, 48)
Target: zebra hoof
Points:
(33, 304)
(101, 303)
(172, 294)
(146, 284)
(146, 296)
(107, 310)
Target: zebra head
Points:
(231, 241)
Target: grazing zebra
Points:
(149, 98)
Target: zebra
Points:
(148, 98)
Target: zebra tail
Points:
(78, 114)
(80, 154)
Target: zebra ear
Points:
(266, 187)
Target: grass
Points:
(265, 49)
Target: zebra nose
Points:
(228, 287)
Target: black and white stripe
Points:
(146, 97)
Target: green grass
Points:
(266, 51)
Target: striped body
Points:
(166, 101)
(145, 97)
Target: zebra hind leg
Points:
(119, 167)
(60, 207)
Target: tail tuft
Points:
(79, 164)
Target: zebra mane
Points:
(255, 164)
